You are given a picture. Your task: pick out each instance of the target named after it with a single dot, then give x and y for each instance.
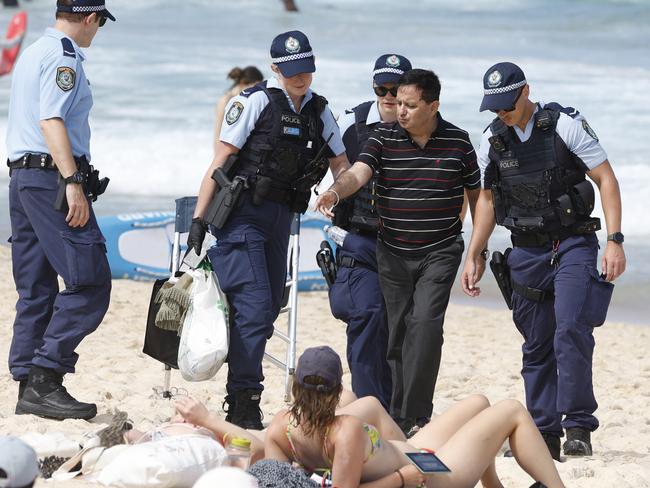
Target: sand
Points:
(482, 353)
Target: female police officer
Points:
(275, 128)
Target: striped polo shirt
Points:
(420, 190)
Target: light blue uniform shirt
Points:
(236, 132)
(47, 84)
(573, 130)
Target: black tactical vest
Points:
(540, 186)
(358, 212)
(283, 144)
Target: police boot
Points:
(578, 442)
(247, 413)
(22, 384)
(45, 396)
(230, 401)
(552, 441)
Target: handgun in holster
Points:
(326, 263)
(93, 186)
(227, 196)
(501, 271)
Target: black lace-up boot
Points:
(45, 396)
(578, 442)
(246, 411)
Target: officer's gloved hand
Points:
(196, 235)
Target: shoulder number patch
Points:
(234, 112)
(589, 130)
(65, 78)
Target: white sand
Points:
(481, 354)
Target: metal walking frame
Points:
(184, 211)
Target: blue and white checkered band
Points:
(505, 89)
(88, 8)
(293, 57)
(388, 70)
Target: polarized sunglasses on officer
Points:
(102, 20)
(514, 104)
(382, 91)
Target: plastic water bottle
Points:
(335, 233)
(238, 452)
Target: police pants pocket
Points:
(598, 296)
(231, 262)
(85, 255)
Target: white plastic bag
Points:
(204, 339)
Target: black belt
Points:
(534, 294)
(29, 160)
(540, 239)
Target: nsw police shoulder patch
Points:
(65, 78)
(234, 112)
(587, 128)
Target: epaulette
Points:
(68, 48)
(255, 88)
(570, 111)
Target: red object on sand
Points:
(17, 27)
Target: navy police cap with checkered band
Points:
(86, 6)
(501, 84)
(292, 54)
(389, 68)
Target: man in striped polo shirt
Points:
(424, 165)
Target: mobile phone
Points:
(427, 462)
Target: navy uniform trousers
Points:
(356, 299)
(49, 323)
(250, 261)
(558, 334)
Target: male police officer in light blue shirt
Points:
(276, 129)
(53, 227)
(533, 159)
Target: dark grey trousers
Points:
(416, 291)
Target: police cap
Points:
(292, 54)
(85, 6)
(501, 84)
(389, 68)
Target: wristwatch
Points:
(617, 237)
(485, 253)
(76, 177)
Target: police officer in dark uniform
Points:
(355, 296)
(276, 129)
(533, 159)
(53, 227)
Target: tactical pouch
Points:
(583, 198)
(565, 210)
(501, 271)
(499, 205)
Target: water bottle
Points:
(238, 452)
(336, 234)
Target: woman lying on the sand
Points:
(466, 437)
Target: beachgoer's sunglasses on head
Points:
(382, 91)
(102, 21)
(514, 104)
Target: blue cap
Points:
(323, 362)
(501, 84)
(292, 54)
(389, 68)
(86, 6)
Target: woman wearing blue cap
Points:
(276, 129)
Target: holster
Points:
(501, 271)
(93, 185)
(326, 263)
(227, 196)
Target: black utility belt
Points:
(40, 161)
(542, 239)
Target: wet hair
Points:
(314, 410)
(72, 16)
(245, 76)
(426, 81)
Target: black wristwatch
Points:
(485, 253)
(617, 237)
(76, 177)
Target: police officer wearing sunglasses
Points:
(53, 227)
(533, 159)
(355, 296)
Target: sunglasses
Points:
(514, 104)
(382, 91)
(102, 21)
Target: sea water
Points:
(157, 72)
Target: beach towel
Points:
(204, 340)
(276, 474)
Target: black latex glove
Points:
(196, 235)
